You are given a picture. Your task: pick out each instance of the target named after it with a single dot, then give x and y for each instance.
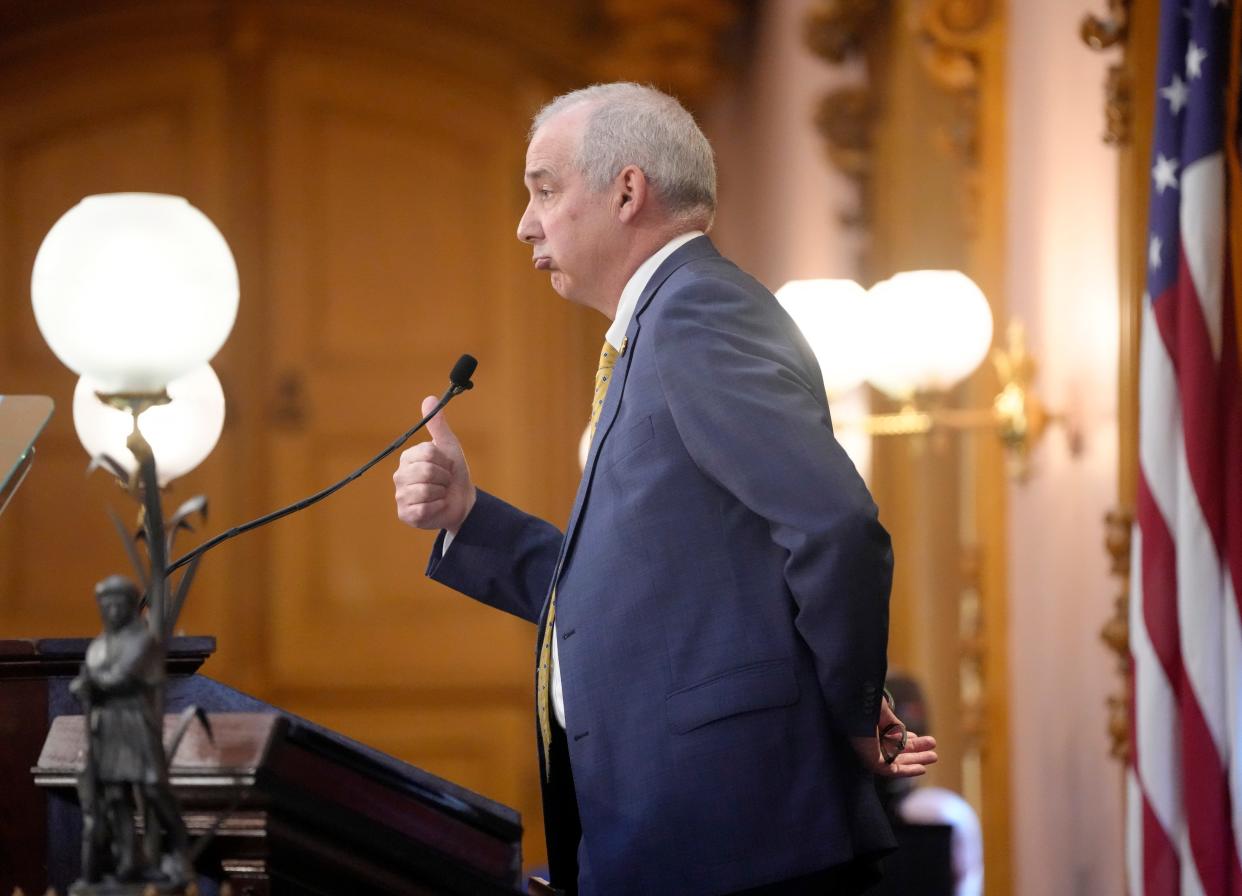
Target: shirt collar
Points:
(638, 282)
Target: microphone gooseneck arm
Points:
(459, 379)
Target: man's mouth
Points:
(543, 263)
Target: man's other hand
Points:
(432, 480)
(887, 756)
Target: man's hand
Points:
(433, 484)
(908, 761)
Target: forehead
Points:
(553, 145)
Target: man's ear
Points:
(631, 193)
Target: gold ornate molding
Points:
(1116, 632)
(838, 31)
(845, 118)
(673, 44)
(973, 649)
(951, 34)
(1102, 34)
(1117, 105)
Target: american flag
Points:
(1184, 783)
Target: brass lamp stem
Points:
(145, 485)
(134, 402)
(153, 523)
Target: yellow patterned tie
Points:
(543, 677)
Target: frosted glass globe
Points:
(937, 330)
(134, 289)
(834, 318)
(181, 433)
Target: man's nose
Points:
(528, 228)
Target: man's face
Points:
(117, 609)
(571, 228)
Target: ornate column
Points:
(952, 35)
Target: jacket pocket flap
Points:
(757, 686)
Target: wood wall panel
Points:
(57, 509)
(421, 179)
(392, 260)
(364, 161)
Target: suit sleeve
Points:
(747, 401)
(501, 556)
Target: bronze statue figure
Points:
(126, 769)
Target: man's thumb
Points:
(438, 426)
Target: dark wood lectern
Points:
(297, 808)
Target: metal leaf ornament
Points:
(149, 546)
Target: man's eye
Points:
(544, 192)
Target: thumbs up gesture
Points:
(434, 490)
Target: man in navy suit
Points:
(713, 622)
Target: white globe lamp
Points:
(834, 318)
(181, 433)
(938, 329)
(134, 290)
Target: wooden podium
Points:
(296, 808)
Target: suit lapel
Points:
(701, 247)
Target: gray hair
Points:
(630, 124)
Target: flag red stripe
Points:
(1185, 335)
(1159, 570)
(1205, 787)
(1205, 792)
(1162, 869)
(1231, 402)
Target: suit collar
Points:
(699, 247)
(638, 281)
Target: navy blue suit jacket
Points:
(722, 601)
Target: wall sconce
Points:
(914, 337)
